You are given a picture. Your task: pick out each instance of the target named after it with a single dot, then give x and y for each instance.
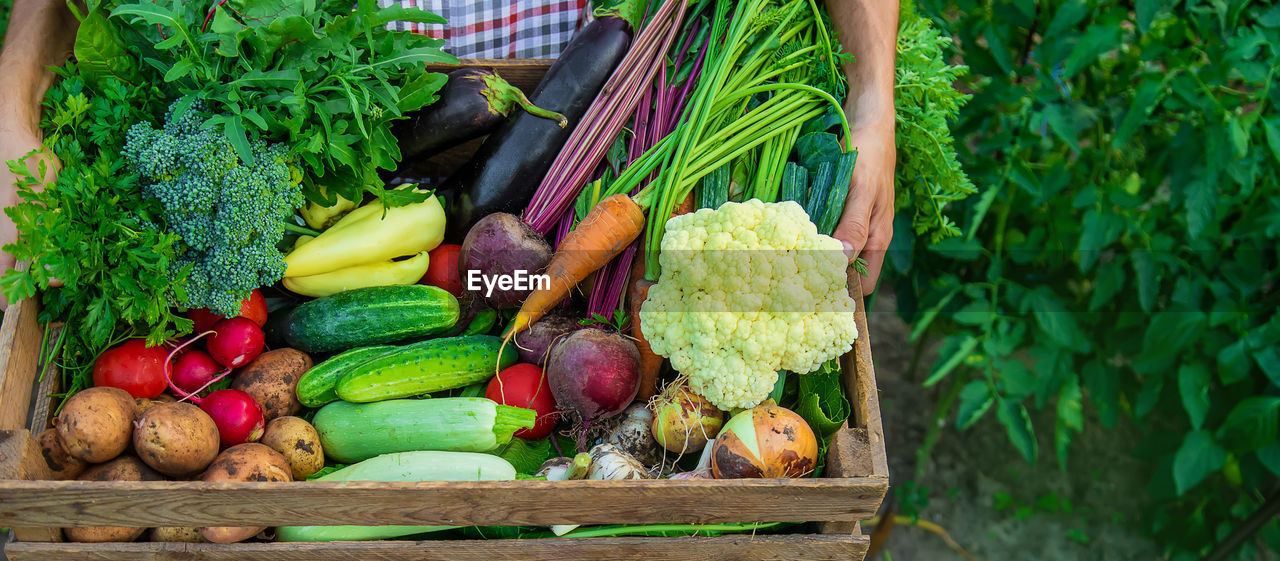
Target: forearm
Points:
(868, 30)
(40, 35)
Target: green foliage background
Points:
(1120, 257)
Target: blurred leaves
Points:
(1120, 259)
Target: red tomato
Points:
(133, 367)
(442, 269)
(524, 385)
(254, 308)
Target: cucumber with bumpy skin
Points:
(427, 367)
(316, 387)
(351, 432)
(376, 315)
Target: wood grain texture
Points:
(524, 503)
(799, 547)
(20, 459)
(19, 351)
(43, 404)
(860, 382)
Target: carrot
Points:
(607, 230)
(650, 363)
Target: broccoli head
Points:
(230, 215)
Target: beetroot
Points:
(237, 414)
(532, 345)
(594, 374)
(235, 342)
(193, 370)
(497, 247)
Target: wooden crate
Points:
(854, 484)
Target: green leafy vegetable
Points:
(325, 78)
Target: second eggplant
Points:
(472, 104)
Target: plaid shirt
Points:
(500, 28)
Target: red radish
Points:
(594, 374)
(235, 342)
(133, 367)
(193, 371)
(238, 416)
(524, 385)
(254, 307)
(442, 269)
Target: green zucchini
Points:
(375, 315)
(351, 432)
(427, 367)
(316, 387)
(403, 466)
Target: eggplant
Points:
(472, 104)
(504, 173)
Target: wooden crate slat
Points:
(20, 458)
(722, 548)
(529, 503)
(20, 335)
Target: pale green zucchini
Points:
(402, 466)
(351, 432)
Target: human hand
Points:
(866, 226)
(17, 141)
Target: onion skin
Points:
(683, 421)
(785, 444)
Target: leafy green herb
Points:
(327, 78)
(92, 228)
(928, 175)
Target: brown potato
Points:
(96, 424)
(243, 462)
(177, 534)
(272, 380)
(124, 468)
(146, 403)
(176, 439)
(298, 442)
(63, 465)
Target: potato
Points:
(243, 462)
(124, 468)
(146, 403)
(177, 534)
(176, 439)
(63, 465)
(298, 442)
(96, 424)
(272, 380)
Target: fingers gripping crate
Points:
(36, 508)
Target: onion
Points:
(764, 441)
(684, 421)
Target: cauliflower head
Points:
(747, 290)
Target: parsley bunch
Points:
(92, 228)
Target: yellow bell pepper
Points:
(387, 273)
(369, 235)
(318, 217)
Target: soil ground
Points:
(992, 502)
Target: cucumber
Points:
(351, 432)
(375, 315)
(482, 323)
(316, 387)
(426, 367)
(403, 466)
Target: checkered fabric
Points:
(500, 28)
